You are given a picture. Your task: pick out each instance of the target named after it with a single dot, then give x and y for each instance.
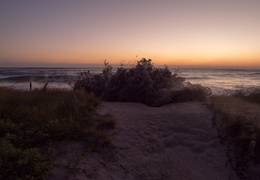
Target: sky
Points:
(175, 32)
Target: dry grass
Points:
(30, 121)
(238, 122)
(252, 96)
(235, 109)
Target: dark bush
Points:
(143, 83)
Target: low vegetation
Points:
(143, 83)
(238, 122)
(252, 95)
(30, 121)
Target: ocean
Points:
(219, 80)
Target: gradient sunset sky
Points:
(177, 32)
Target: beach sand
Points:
(173, 142)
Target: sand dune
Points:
(176, 141)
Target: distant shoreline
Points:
(219, 80)
(80, 66)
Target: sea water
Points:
(218, 79)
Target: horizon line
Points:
(85, 65)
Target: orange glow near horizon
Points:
(189, 57)
(198, 59)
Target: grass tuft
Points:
(30, 121)
(238, 123)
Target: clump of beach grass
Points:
(238, 121)
(30, 121)
(252, 95)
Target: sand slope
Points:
(175, 142)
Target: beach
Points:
(176, 141)
(142, 123)
(130, 90)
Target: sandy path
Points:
(175, 142)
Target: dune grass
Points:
(238, 122)
(252, 96)
(30, 121)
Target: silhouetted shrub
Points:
(143, 83)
